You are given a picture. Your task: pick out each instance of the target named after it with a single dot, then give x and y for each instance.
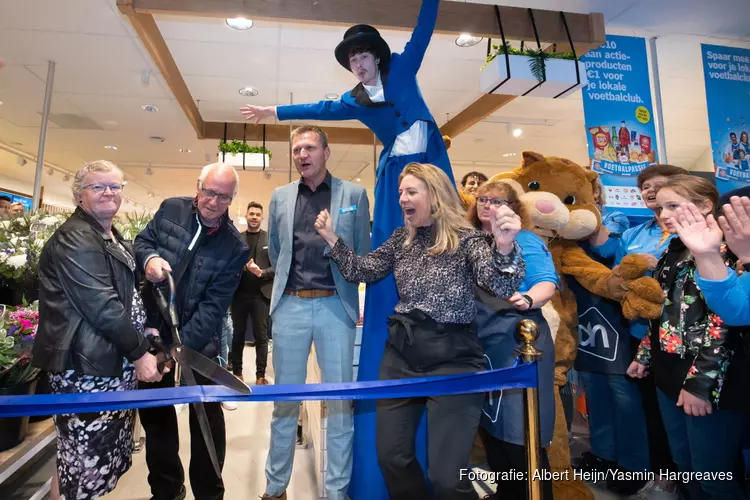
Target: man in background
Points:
(253, 297)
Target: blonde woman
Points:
(437, 259)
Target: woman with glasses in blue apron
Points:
(502, 427)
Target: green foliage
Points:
(537, 57)
(133, 224)
(237, 147)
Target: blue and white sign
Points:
(17, 198)
(619, 119)
(726, 71)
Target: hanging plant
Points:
(537, 57)
(239, 147)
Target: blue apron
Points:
(603, 332)
(503, 411)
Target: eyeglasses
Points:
(210, 193)
(498, 202)
(100, 188)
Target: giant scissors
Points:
(190, 360)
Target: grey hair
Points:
(219, 166)
(89, 168)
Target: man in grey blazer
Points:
(312, 302)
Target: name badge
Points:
(346, 210)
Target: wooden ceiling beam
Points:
(152, 39)
(280, 133)
(586, 30)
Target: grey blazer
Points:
(350, 211)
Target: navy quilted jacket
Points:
(205, 291)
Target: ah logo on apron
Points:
(593, 326)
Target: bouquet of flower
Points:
(16, 340)
(21, 242)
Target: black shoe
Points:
(590, 463)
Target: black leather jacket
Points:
(85, 300)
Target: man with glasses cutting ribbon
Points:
(193, 240)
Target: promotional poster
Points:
(726, 71)
(619, 119)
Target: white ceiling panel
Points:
(69, 16)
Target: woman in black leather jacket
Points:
(91, 334)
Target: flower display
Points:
(17, 335)
(21, 242)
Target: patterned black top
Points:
(441, 286)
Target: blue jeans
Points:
(705, 444)
(297, 323)
(226, 333)
(617, 422)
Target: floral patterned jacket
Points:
(688, 328)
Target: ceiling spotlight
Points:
(21, 160)
(15, 143)
(50, 171)
(358, 179)
(150, 108)
(111, 148)
(248, 92)
(1, 103)
(517, 132)
(239, 23)
(185, 151)
(66, 178)
(509, 154)
(467, 40)
(150, 194)
(149, 171)
(332, 96)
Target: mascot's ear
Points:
(531, 157)
(510, 174)
(593, 178)
(448, 141)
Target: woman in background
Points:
(502, 426)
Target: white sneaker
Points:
(229, 405)
(655, 491)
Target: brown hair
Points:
(659, 170)
(505, 190)
(446, 211)
(322, 136)
(696, 190)
(361, 49)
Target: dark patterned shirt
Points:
(441, 286)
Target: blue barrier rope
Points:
(521, 376)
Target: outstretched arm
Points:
(416, 47)
(323, 110)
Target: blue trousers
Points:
(297, 324)
(617, 422)
(705, 444)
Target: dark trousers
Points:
(165, 473)
(508, 457)
(452, 421)
(658, 445)
(257, 310)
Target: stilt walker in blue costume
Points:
(387, 100)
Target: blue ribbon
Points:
(521, 376)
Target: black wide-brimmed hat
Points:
(362, 35)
